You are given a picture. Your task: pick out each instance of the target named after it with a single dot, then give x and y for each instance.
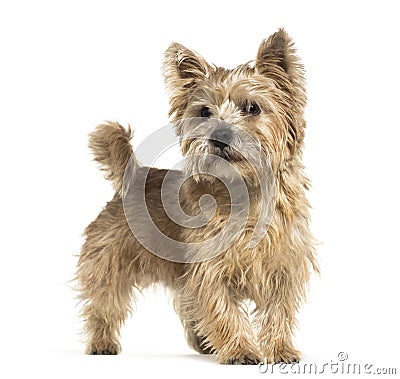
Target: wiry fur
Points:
(209, 295)
(112, 150)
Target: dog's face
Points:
(240, 115)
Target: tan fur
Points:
(209, 296)
(112, 150)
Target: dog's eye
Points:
(251, 109)
(205, 112)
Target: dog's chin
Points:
(213, 166)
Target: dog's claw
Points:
(243, 361)
(250, 361)
(294, 360)
(103, 352)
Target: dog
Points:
(237, 227)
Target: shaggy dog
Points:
(231, 227)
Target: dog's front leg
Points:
(275, 317)
(219, 322)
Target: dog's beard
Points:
(203, 161)
(241, 157)
(243, 176)
(207, 163)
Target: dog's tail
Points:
(111, 147)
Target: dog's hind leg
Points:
(106, 288)
(111, 266)
(107, 275)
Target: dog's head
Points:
(239, 115)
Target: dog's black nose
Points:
(221, 137)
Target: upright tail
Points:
(111, 147)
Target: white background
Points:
(67, 65)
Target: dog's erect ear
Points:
(183, 64)
(277, 60)
(182, 69)
(277, 56)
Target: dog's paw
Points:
(103, 352)
(284, 355)
(198, 343)
(104, 349)
(243, 359)
(205, 350)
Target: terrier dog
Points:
(232, 226)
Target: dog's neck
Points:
(244, 214)
(235, 192)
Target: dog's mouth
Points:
(226, 152)
(222, 142)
